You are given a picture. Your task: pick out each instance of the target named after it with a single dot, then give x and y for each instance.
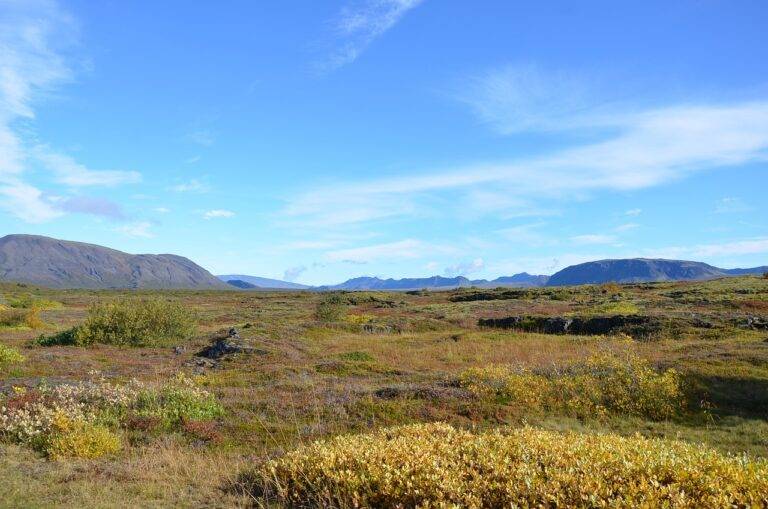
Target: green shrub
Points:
(9, 356)
(357, 357)
(177, 402)
(130, 322)
(332, 308)
(28, 301)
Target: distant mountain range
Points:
(373, 283)
(253, 282)
(56, 263)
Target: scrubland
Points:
(380, 399)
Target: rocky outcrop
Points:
(637, 326)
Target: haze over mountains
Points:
(250, 282)
(56, 263)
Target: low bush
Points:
(435, 465)
(332, 308)
(77, 438)
(21, 317)
(130, 322)
(28, 301)
(604, 384)
(85, 419)
(9, 356)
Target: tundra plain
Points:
(307, 366)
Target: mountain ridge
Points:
(56, 263)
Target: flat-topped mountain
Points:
(54, 263)
(637, 270)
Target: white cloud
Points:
(465, 268)
(293, 273)
(527, 234)
(646, 149)
(512, 99)
(138, 229)
(162, 210)
(730, 205)
(360, 23)
(216, 213)
(192, 186)
(633, 212)
(626, 227)
(33, 36)
(93, 206)
(26, 202)
(594, 238)
(401, 250)
(69, 172)
(202, 137)
(752, 246)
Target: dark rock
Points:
(753, 322)
(373, 328)
(228, 343)
(636, 326)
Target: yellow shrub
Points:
(603, 384)
(435, 465)
(359, 319)
(79, 439)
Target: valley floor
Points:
(316, 367)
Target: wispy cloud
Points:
(29, 68)
(93, 206)
(400, 250)
(527, 234)
(191, 186)
(71, 173)
(593, 238)
(218, 213)
(626, 227)
(138, 229)
(33, 35)
(362, 22)
(26, 202)
(465, 268)
(633, 212)
(730, 205)
(293, 273)
(758, 245)
(645, 149)
(202, 137)
(512, 99)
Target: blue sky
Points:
(317, 141)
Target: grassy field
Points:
(317, 366)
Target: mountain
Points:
(56, 263)
(522, 279)
(435, 282)
(261, 282)
(636, 270)
(239, 283)
(745, 272)
(374, 283)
